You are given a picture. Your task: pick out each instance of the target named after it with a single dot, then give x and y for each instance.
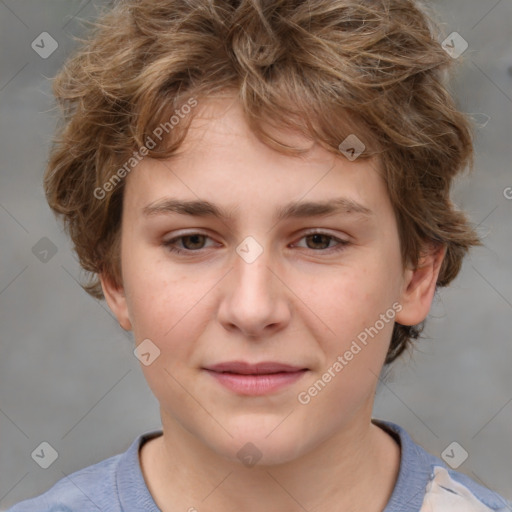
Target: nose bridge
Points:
(252, 276)
(254, 300)
(252, 269)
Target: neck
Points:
(354, 470)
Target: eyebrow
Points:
(295, 209)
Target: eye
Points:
(191, 242)
(320, 241)
(195, 242)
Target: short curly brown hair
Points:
(325, 68)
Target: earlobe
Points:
(116, 300)
(420, 286)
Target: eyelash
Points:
(341, 245)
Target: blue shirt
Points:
(425, 484)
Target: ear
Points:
(116, 300)
(419, 287)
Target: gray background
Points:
(67, 372)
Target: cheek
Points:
(349, 304)
(163, 298)
(169, 308)
(355, 344)
(350, 298)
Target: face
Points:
(257, 275)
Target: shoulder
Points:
(425, 483)
(91, 488)
(450, 490)
(115, 484)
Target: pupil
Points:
(194, 239)
(317, 236)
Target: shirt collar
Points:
(408, 493)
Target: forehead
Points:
(218, 122)
(222, 160)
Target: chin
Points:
(257, 444)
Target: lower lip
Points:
(256, 384)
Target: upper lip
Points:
(244, 368)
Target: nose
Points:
(255, 299)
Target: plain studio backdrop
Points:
(68, 375)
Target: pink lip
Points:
(244, 368)
(255, 379)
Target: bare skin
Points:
(300, 302)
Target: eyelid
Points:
(313, 231)
(190, 232)
(177, 236)
(341, 242)
(340, 245)
(321, 231)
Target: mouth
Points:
(255, 379)
(243, 368)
